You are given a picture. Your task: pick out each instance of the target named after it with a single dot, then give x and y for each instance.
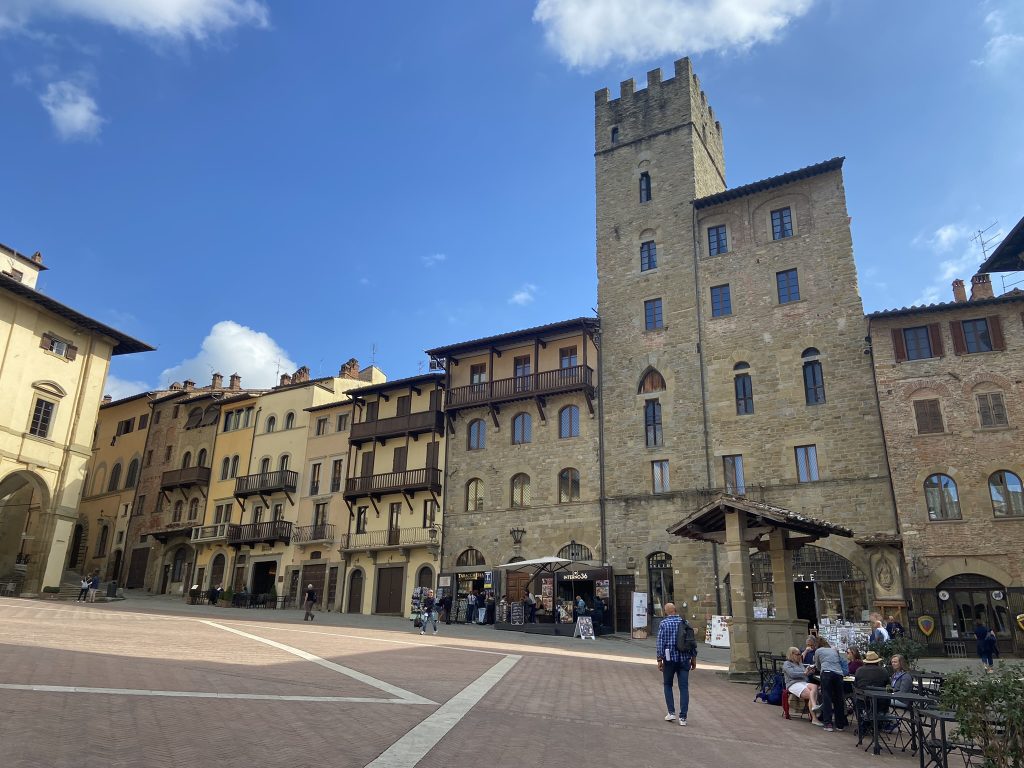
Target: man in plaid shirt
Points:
(674, 664)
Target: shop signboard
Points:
(601, 589)
(444, 581)
(488, 580)
(639, 624)
(719, 632)
(584, 628)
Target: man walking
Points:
(676, 657)
(308, 601)
(427, 606)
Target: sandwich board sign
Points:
(584, 628)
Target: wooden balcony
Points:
(305, 534)
(184, 478)
(203, 533)
(266, 483)
(398, 537)
(397, 426)
(579, 377)
(252, 534)
(410, 481)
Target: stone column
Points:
(743, 655)
(782, 576)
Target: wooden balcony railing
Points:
(184, 478)
(396, 537)
(269, 532)
(267, 482)
(393, 482)
(210, 532)
(521, 387)
(306, 533)
(410, 424)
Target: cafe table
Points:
(874, 695)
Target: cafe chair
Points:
(794, 704)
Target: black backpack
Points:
(686, 643)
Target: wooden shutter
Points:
(998, 409)
(899, 345)
(371, 411)
(985, 411)
(956, 330)
(400, 459)
(935, 337)
(366, 468)
(404, 405)
(72, 352)
(995, 332)
(432, 453)
(45, 341)
(929, 417)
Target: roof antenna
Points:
(373, 354)
(981, 240)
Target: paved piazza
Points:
(162, 684)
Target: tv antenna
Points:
(980, 237)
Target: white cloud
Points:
(592, 33)
(117, 387)
(179, 19)
(433, 259)
(963, 264)
(233, 348)
(524, 295)
(73, 111)
(1005, 44)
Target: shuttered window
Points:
(992, 410)
(929, 417)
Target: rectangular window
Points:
(659, 476)
(521, 366)
(929, 417)
(314, 479)
(372, 409)
(218, 514)
(168, 452)
(992, 410)
(782, 224)
(143, 421)
(257, 514)
(976, 336)
(361, 520)
(42, 418)
(140, 505)
(279, 511)
(342, 422)
(788, 285)
(567, 357)
(227, 513)
(806, 463)
(320, 515)
(918, 342)
(733, 469)
(744, 395)
(478, 373)
(717, 242)
(652, 315)
(336, 475)
(149, 458)
(321, 425)
(652, 423)
(125, 426)
(648, 255)
(156, 417)
(721, 301)
(400, 459)
(429, 512)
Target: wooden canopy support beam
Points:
(590, 402)
(541, 404)
(494, 411)
(408, 500)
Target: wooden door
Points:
(625, 585)
(389, 590)
(166, 580)
(315, 575)
(355, 592)
(216, 571)
(200, 575)
(136, 578)
(401, 459)
(518, 583)
(432, 455)
(332, 588)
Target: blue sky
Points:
(251, 185)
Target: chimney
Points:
(981, 287)
(175, 386)
(37, 258)
(236, 381)
(285, 380)
(107, 398)
(350, 369)
(959, 292)
(217, 382)
(301, 375)
(189, 385)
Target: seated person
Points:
(871, 674)
(796, 682)
(809, 649)
(901, 680)
(853, 660)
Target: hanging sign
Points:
(639, 621)
(997, 594)
(488, 580)
(926, 624)
(584, 628)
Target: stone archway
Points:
(27, 533)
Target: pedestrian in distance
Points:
(471, 607)
(94, 586)
(531, 607)
(581, 607)
(446, 605)
(987, 646)
(427, 612)
(677, 656)
(84, 591)
(308, 601)
(894, 628)
(481, 608)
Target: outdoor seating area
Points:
(197, 596)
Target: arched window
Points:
(475, 495)
(225, 468)
(178, 572)
(271, 423)
(942, 498)
(234, 465)
(201, 460)
(1007, 494)
(282, 463)
(575, 552)
(652, 423)
(520, 490)
(425, 577)
(264, 465)
(193, 509)
(522, 429)
(289, 420)
(179, 506)
(814, 380)
(744, 389)
(186, 460)
(645, 187)
(477, 435)
(652, 381)
(195, 418)
(569, 487)
(660, 581)
(133, 474)
(569, 422)
(115, 478)
(101, 544)
(471, 557)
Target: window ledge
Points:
(51, 353)
(721, 317)
(655, 331)
(1003, 428)
(788, 303)
(926, 435)
(1008, 519)
(38, 439)
(947, 522)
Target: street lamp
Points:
(517, 535)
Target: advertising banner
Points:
(639, 623)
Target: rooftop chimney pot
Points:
(236, 381)
(981, 287)
(286, 379)
(107, 398)
(189, 385)
(959, 292)
(217, 382)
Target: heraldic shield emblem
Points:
(927, 624)
(1020, 621)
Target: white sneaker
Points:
(682, 721)
(670, 717)
(423, 632)
(435, 631)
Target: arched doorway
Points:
(217, 571)
(968, 597)
(75, 549)
(826, 585)
(355, 592)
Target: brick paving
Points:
(598, 703)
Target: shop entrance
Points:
(805, 605)
(263, 575)
(625, 586)
(970, 598)
(137, 568)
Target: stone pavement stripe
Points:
(425, 643)
(394, 690)
(411, 748)
(202, 694)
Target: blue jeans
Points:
(679, 670)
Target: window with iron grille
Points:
(717, 242)
(652, 315)
(789, 286)
(942, 498)
(652, 423)
(806, 463)
(475, 495)
(477, 433)
(569, 422)
(470, 557)
(744, 394)
(721, 301)
(522, 429)
(648, 255)
(659, 476)
(782, 223)
(42, 418)
(575, 552)
(732, 467)
(928, 415)
(992, 410)
(520, 490)
(568, 485)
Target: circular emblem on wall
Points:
(997, 595)
(943, 595)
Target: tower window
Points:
(814, 378)
(788, 284)
(806, 463)
(648, 256)
(782, 223)
(652, 315)
(744, 390)
(652, 423)
(615, 134)
(717, 240)
(645, 187)
(721, 301)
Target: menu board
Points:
(461, 610)
(584, 628)
(518, 615)
(719, 635)
(601, 588)
(547, 591)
